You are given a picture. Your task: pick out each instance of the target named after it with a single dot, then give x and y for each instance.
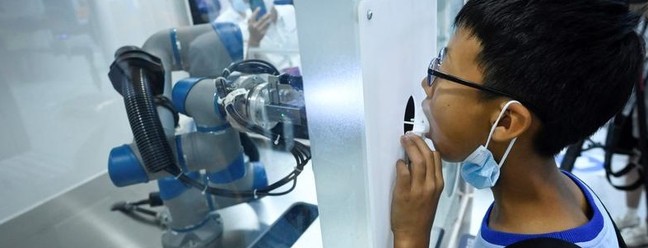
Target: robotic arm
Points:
(255, 94)
(201, 171)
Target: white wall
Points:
(59, 116)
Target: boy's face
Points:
(459, 120)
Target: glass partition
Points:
(60, 114)
(63, 116)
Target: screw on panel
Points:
(369, 15)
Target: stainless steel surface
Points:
(333, 91)
(81, 216)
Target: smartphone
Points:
(254, 4)
(289, 227)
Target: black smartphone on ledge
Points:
(289, 227)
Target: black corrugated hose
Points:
(138, 76)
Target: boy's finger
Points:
(426, 152)
(431, 168)
(403, 179)
(265, 22)
(254, 14)
(267, 16)
(438, 167)
(416, 159)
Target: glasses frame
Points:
(433, 73)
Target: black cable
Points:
(593, 145)
(140, 202)
(299, 151)
(251, 66)
(287, 191)
(303, 149)
(139, 214)
(615, 131)
(612, 139)
(163, 101)
(249, 148)
(643, 128)
(126, 207)
(301, 162)
(231, 111)
(155, 199)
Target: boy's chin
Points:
(449, 156)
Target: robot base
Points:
(206, 234)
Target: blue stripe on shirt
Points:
(583, 233)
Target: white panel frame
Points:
(361, 60)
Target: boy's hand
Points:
(258, 28)
(416, 193)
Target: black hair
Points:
(575, 61)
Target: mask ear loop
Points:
(490, 135)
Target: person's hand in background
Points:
(259, 26)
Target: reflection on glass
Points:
(204, 11)
(245, 91)
(289, 227)
(60, 114)
(446, 11)
(271, 36)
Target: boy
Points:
(519, 81)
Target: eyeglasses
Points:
(433, 73)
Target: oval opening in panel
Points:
(408, 121)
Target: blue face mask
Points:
(480, 168)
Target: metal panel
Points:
(333, 87)
(362, 60)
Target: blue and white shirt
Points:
(598, 232)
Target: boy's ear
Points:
(516, 120)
